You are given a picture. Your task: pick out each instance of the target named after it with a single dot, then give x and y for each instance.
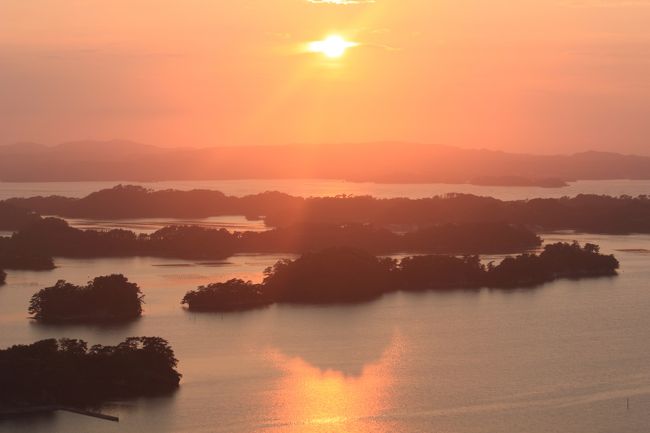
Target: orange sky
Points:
(524, 75)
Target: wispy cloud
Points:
(607, 3)
(341, 2)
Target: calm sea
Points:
(320, 187)
(562, 357)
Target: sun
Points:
(333, 46)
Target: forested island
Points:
(110, 298)
(15, 217)
(343, 275)
(19, 255)
(232, 295)
(68, 372)
(585, 213)
(34, 246)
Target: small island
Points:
(51, 373)
(233, 295)
(347, 275)
(110, 298)
(3, 277)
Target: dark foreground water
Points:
(563, 357)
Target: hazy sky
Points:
(522, 75)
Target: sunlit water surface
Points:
(150, 225)
(562, 357)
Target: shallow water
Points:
(564, 356)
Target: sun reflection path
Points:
(311, 399)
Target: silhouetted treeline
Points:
(235, 294)
(33, 246)
(21, 255)
(14, 218)
(558, 260)
(342, 275)
(51, 372)
(469, 238)
(332, 275)
(110, 298)
(587, 213)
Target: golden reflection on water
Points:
(309, 398)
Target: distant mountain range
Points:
(389, 162)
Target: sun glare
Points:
(333, 46)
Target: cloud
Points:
(607, 3)
(341, 2)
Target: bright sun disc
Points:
(332, 46)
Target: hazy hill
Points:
(379, 162)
